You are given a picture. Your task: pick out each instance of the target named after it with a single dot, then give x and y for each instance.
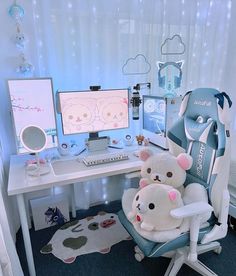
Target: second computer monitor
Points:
(159, 115)
(93, 111)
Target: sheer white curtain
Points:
(87, 42)
(9, 261)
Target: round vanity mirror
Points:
(34, 139)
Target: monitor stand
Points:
(96, 143)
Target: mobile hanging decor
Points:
(16, 12)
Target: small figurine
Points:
(140, 139)
(20, 40)
(146, 141)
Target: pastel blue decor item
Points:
(16, 11)
(25, 67)
(20, 40)
(170, 76)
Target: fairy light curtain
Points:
(82, 43)
(86, 42)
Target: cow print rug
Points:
(88, 235)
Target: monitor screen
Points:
(154, 114)
(94, 111)
(32, 104)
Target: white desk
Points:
(68, 171)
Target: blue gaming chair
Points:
(202, 131)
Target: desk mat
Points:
(61, 167)
(92, 234)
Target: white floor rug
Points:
(92, 234)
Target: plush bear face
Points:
(152, 206)
(164, 168)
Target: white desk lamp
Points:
(34, 139)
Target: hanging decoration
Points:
(138, 65)
(170, 76)
(16, 12)
(170, 72)
(173, 46)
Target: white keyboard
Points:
(104, 158)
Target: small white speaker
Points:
(128, 140)
(64, 148)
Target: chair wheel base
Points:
(218, 250)
(138, 254)
(139, 257)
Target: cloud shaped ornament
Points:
(173, 46)
(138, 65)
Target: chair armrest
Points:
(192, 209)
(220, 229)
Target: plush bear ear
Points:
(145, 154)
(185, 161)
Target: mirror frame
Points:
(25, 146)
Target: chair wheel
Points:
(139, 257)
(218, 250)
(137, 249)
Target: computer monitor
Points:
(159, 114)
(93, 111)
(32, 104)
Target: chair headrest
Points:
(207, 102)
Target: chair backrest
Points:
(203, 131)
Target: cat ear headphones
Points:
(177, 79)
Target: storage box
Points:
(49, 211)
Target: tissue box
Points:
(49, 211)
